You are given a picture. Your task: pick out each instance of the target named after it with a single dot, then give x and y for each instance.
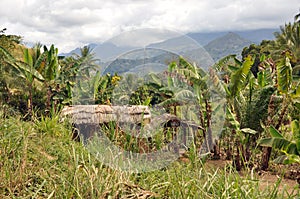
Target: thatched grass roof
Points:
(96, 114)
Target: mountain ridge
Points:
(231, 43)
(122, 59)
(203, 38)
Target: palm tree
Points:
(288, 39)
(87, 61)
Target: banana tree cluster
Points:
(254, 104)
(40, 69)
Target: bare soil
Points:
(267, 179)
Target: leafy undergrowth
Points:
(39, 160)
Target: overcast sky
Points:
(72, 23)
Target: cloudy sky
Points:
(70, 24)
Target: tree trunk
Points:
(228, 153)
(267, 150)
(208, 135)
(216, 151)
(237, 159)
(265, 158)
(29, 105)
(281, 116)
(247, 153)
(48, 102)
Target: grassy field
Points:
(40, 160)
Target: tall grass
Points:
(39, 160)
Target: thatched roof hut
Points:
(97, 114)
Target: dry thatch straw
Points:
(97, 114)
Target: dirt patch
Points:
(286, 186)
(279, 175)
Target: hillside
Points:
(231, 43)
(150, 60)
(121, 59)
(255, 36)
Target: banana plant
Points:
(236, 77)
(176, 89)
(287, 87)
(288, 39)
(288, 92)
(50, 71)
(199, 86)
(27, 71)
(289, 147)
(238, 86)
(38, 68)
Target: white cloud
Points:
(69, 24)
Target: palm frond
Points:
(239, 77)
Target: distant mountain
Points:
(205, 38)
(202, 48)
(255, 36)
(140, 61)
(177, 44)
(77, 50)
(231, 43)
(158, 53)
(108, 51)
(104, 51)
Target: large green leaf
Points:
(40, 62)
(295, 94)
(231, 119)
(8, 56)
(287, 159)
(298, 145)
(189, 73)
(295, 126)
(274, 133)
(154, 78)
(264, 78)
(97, 83)
(249, 131)
(216, 84)
(52, 68)
(29, 72)
(284, 74)
(266, 142)
(25, 68)
(295, 129)
(238, 78)
(185, 64)
(232, 68)
(171, 69)
(184, 95)
(277, 141)
(285, 146)
(169, 102)
(281, 144)
(223, 62)
(27, 57)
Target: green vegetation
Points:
(39, 159)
